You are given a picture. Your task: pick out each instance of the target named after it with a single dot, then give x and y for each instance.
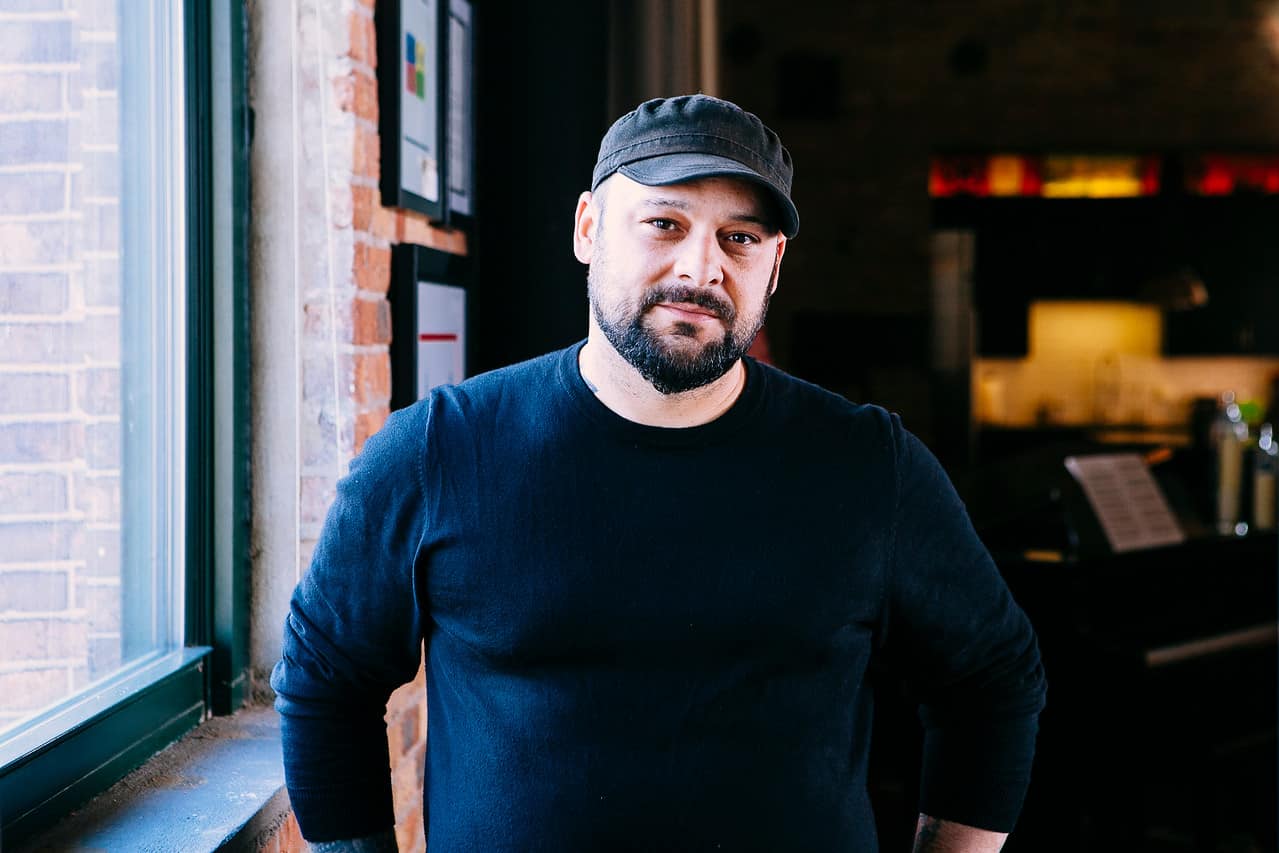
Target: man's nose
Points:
(700, 260)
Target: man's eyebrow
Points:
(680, 204)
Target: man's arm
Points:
(933, 835)
(353, 634)
(952, 629)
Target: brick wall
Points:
(341, 266)
(863, 93)
(59, 350)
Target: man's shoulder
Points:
(804, 400)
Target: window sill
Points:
(220, 788)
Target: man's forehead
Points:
(686, 195)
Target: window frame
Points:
(98, 738)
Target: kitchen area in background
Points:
(1107, 329)
(1045, 234)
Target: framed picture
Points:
(459, 169)
(430, 344)
(413, 63)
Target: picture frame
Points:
(460, 122)
(431, 343)
(413, 64)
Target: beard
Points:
(682, 363)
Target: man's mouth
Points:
(691, 305)
(689, 309)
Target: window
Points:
(121, 372)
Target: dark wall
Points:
(542, 95)
(863, 93)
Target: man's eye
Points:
(743, 238)
(662, 224)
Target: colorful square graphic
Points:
(415, 66)
(410, 63)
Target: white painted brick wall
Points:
(60, 449)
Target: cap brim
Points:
(677, 168)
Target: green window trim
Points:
(98, 738)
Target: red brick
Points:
(409, 830)
(370, 322)
(290, 836)
(386, 223)
(367, 155)
(363, 45)
(372, 267)
(364, 101)
(356, 92)
(367, 423)
(363, 201)
(372, 378)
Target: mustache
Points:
(699, 296)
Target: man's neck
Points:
(620, 386)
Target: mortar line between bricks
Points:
(68, 15)
(57, 216)
(26, 67)
(71, 615)
(44, 367)
(368, 238)
(60, 319)
(41, 467)
(48, 566)
(41, 168)
(34, 115)
(74, 516)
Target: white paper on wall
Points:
(441, 335)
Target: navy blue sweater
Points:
(649, 638)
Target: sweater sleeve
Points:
(964, 646)
(353, 634)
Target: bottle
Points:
(1264, 471)
(1230, 433)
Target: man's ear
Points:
(585, 221)
(777, 263)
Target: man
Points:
(651, 573)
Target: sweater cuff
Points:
(343, 813)
(978, 775)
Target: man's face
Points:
(680, 276)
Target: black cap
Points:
(672, 140)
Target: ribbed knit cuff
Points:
(343, 812)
